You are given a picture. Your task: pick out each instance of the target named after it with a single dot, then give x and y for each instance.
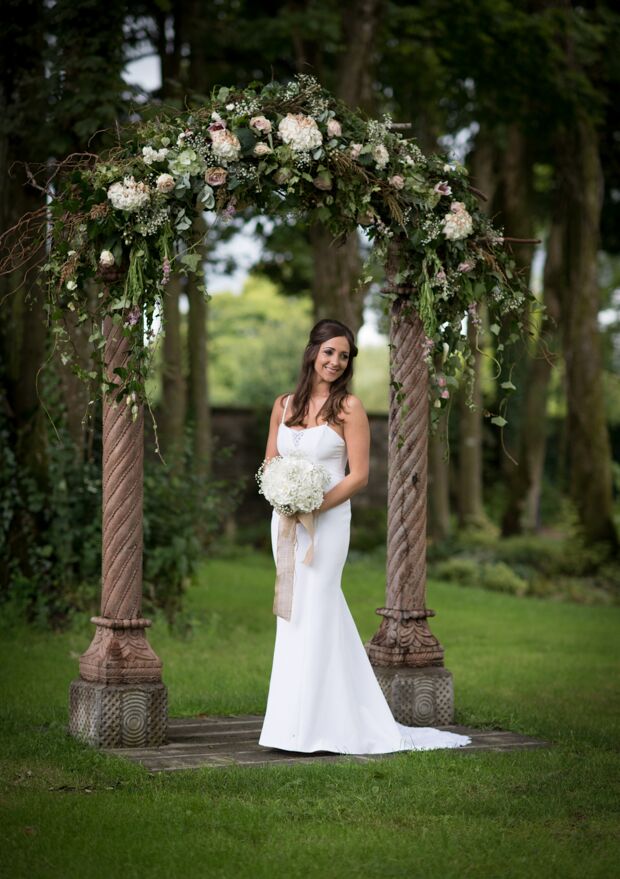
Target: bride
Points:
(323, 693)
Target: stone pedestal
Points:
(118, 715)
(418, 696)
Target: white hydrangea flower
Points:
(130, 195)
(225, 145)
(381, 156)
(458, 223)
(149, 155)
(293, 483)
(106, 259)
(300, 132)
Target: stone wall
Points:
(240, 437)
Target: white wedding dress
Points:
(323, 693)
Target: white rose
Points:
(106, 259)
(71, 285)
(260, 123)
(165, 183)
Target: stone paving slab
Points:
(233, 741)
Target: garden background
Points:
(522, 93)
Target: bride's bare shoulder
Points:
(352, 405)
(353, 409)
(279, 403)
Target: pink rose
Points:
(334, 128)
(445, 394)
(216, 176)
(443, 188)
(260, 123)
(397, 181)
(356, 149)
(466, 266)
(440, 276)
(441, 381)
(262, 149)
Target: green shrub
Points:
(498, 577)
(495, 576)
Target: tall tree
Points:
(581, 186)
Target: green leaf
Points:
(508, 386)
(499, 421)
(191, 260)
(495, 329)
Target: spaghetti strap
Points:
(285, 408)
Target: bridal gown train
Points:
(323, 693)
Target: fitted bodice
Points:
(321, 444)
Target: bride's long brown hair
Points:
(331, 408)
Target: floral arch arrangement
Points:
(124, 219)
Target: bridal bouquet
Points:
(292, 483)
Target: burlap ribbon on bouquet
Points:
(285, 559)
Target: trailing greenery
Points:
(125, 218)
(444, 815)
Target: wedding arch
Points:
(124, 221)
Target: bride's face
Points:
(332, 359)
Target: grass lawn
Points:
(528, 665)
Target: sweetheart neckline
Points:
(316, 427)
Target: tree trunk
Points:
(336, 272)
(581, 187)
(514, 202)
(335, 290)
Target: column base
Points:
(118, 715)
(418, 696)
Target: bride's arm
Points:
(274, 422)
(357, 438)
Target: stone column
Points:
(407, 658)
(119, 699)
